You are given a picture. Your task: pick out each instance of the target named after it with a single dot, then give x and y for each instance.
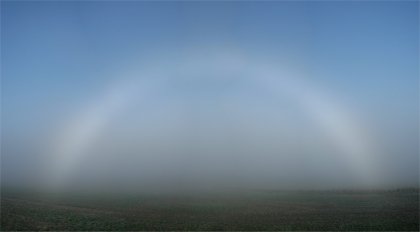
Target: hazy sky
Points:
(187, 93)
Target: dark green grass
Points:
(269, 210)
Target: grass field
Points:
(259, 210)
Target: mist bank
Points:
(192, 188)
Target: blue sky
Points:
(56, 56)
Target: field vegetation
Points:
(252, 210)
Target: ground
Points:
(255, 210)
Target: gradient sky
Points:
(58, 56)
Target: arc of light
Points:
(343, 129)
(76, 138)
(73, 141)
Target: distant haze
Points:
(157, 96)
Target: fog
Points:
(207, 115)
